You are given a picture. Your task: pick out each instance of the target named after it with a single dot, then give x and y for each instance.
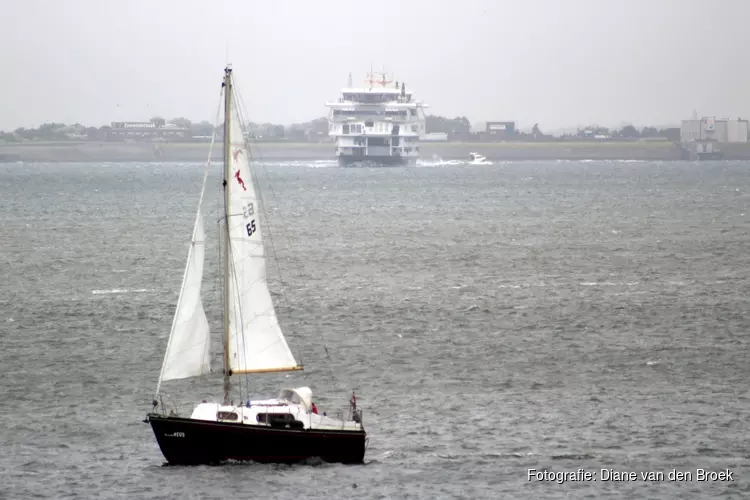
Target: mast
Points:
(227, 174)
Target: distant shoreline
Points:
(92, 151)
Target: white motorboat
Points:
(477, 159)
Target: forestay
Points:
(255, 341)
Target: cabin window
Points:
(368, 124)
(227, 415)
(265, 418)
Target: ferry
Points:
(379, 124)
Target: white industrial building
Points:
(714, 129)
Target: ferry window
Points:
(227, 415)
(368, 124)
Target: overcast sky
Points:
(560, 63)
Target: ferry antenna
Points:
(383, 81)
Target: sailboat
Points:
(285, 429)
(477, 159)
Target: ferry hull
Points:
(377, 161)
(185, 441)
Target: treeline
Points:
(176, 128)
(458, 128)
(77, 132)
(628, 132)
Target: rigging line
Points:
(210, 152)
(240, 107)
(226, 150)
(293, 259)
(190, 252)
(295, 262)
(237, 109)
(237, 309)
(239, 313)
(336, 379)
(219, 277)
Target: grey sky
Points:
(560, 63)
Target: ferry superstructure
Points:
(379, 124)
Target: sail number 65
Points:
(251, 228)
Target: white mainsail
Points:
(188, 353)
(255, 342)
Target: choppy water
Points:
(492, 319)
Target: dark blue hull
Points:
(185, 441)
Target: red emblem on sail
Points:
(239, 179)
(236, 153)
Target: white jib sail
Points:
(255, 341)
(188, 348)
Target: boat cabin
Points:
(292, 410)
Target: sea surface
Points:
(492, 319)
